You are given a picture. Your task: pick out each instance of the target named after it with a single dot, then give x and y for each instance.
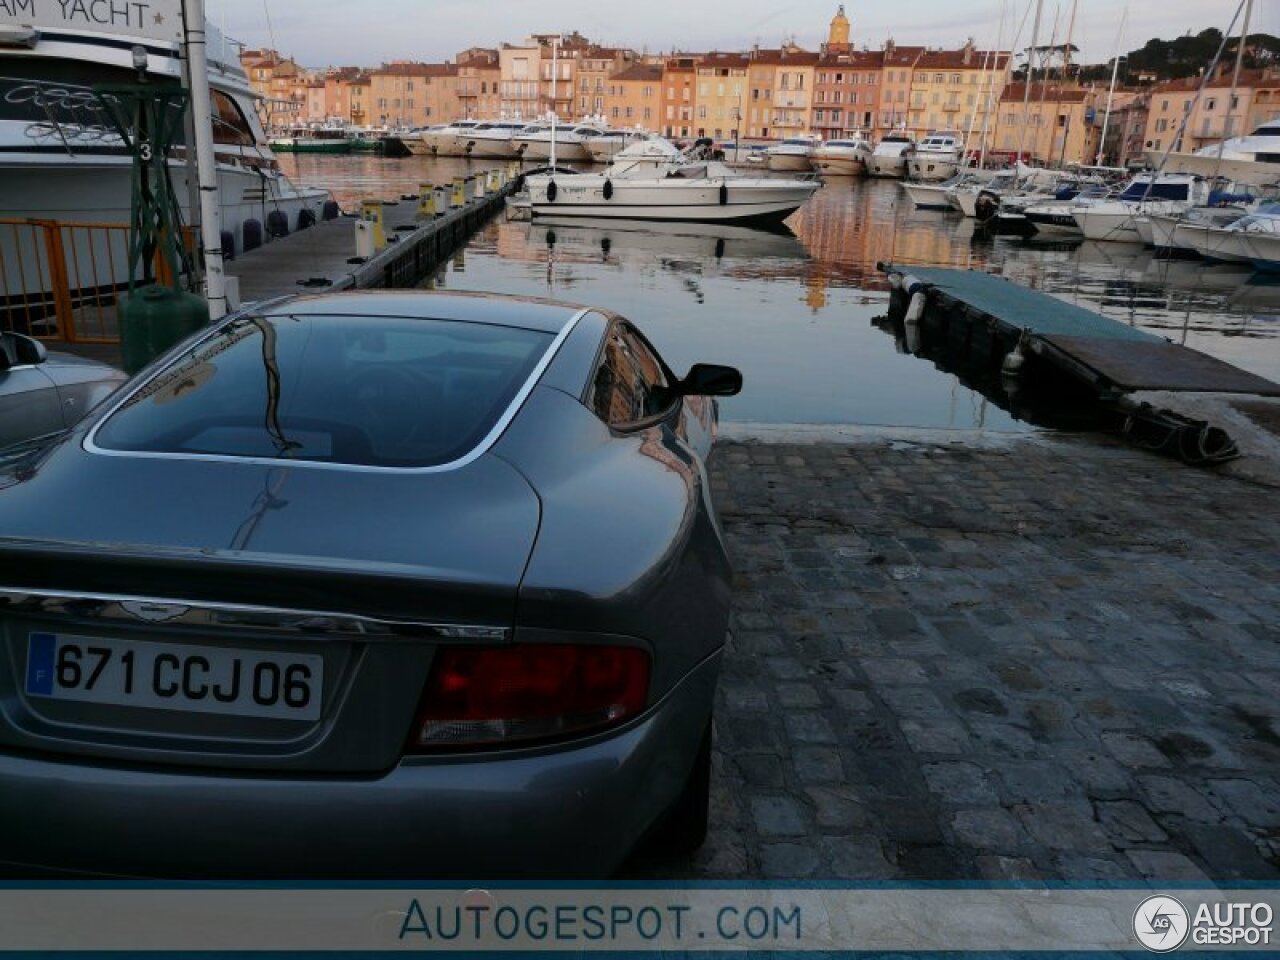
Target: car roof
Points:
(529, 313)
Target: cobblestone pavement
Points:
(1051, 660)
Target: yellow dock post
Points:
(371, 213)
(459, 195)
(482, 180)
(426, 200)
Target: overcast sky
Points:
(366, 32)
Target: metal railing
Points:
(63, 280)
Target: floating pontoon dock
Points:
(986, 313)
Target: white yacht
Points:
(570, 142)
(937, 157)
(422, 141)
(492, 140)
(654, 180)
(889, 159)
(454, 139)
(793, 154)
(842, 158)
(1146, 194)
(61, 160)
(1261, 146)
(605, 145)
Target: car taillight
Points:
(487, 696)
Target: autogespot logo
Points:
(1161, 923)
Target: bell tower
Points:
(838, 36)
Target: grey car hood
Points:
(449, 546)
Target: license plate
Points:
(175, 676)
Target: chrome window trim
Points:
(479, 450)
(129, 608)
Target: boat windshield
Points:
(1145, 190)
(56, 99)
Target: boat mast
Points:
(1026, 93)
(1111, 91)
(555, 60)
(1235, 83)
(991, 88)
(206, 171)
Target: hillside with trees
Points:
(1186, 56)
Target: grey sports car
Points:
(375, 584)
(43, 393)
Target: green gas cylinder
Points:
(153, 319)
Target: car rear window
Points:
(350, 390)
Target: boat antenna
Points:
(1111, 91)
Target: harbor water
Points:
(795, 309)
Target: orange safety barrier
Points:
(63, 280)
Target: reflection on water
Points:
(794, 311)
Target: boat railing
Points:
(61, 280)
(58, 114)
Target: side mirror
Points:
(710, 380)
(18, 350)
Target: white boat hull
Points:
(881, 165)
(927, 196)
(97, 190)
(541, 150)
(670, 199)
(788, 162)
(931, 169)
(840, 166)
(490, 148)
(417, 146)
(1114, 223)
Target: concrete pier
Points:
(319, 259)
(420, 234)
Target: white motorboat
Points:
(638, 243)
(654, 180)
(937, 157)
(1146, 194)
(607, 144)
(842, 158)
(61, 160)
(422, 141)
(889, 159)
(930, 196)
(964, 196)
(1175, 232)
(956, 193)
(1250, 239)
(792, 154)
(454, 139)
(491, 140)
(570, 142)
